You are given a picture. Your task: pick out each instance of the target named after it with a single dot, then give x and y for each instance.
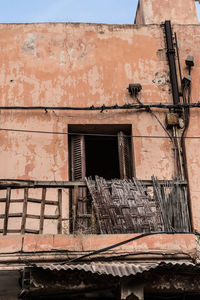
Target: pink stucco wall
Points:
(53, 247)
(158, 11)
(84, 65)
(79, 65)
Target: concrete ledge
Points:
(166, 243)
(10, 244)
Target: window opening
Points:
(107, 154)
(102, 155)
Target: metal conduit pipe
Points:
(171, 60)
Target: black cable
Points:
(122, 243)
(103, 107)
(116, 245)
(155, 116)
(161, 124)
(183, 146)
(94, 134)
(177, 52)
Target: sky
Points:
(95, 11)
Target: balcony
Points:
(93, 206)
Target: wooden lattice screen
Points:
(23, 215)
(123, 207)
(126, 206)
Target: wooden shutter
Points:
(78, 157)
(78, 167)
(124, 156)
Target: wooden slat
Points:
(34, 200)
(103, 226)
(15, 215)
(32, 216)
(47, 202)
(23, 224)
(13, 231)
(32, 231)
(51, 217)
(50, 202)
(78, 163)
(93, 220)
(124, 156)
(75, 207)
(15, 184)
(162, 182)
(59, 211)
(17, 201)
(42, 210)
(4, 183)
(5, 226)
(85, 216)
(66, 219)
(3, 200)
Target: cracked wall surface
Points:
(84, 65)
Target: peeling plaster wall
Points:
(79, 65)
(158, 11)
(189, 41)
(84, 65)
(159, 246)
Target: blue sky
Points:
(99, 11)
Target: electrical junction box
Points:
(172, 119)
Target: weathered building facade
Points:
(85, 110)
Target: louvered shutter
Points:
(78, 157)
(78, 167)
(124, 152)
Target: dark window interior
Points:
(102, 157)
(101, 150)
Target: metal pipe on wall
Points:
(171, 60)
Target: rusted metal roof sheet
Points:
(114, 269)
(123, 269)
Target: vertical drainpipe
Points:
(171, 60)
(175, 93)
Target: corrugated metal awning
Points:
(123, 269)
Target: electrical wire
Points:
(104, 107)
(161, 124)
(122, 243)
(94, 134)
(155, 116)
